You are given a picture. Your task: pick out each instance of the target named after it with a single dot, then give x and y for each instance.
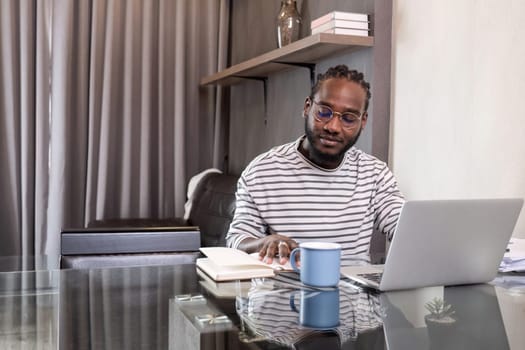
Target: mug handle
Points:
(294, 293)
(292, 260)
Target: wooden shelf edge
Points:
(304, 46)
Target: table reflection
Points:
(28, 310)
(120, 308)
(462, 317)
(283, 311)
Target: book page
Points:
(234, 257)
(231, 257)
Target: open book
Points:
(228, 264)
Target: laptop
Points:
(443, 242)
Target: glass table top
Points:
(28, 263)
(174, 307)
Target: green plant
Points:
(440, 310)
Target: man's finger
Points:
(271, 252)
(284, 252)
(284, 249)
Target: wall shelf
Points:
(307, 50)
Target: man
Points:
(319, 187)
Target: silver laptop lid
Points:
(449, 242)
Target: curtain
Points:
(102, 115)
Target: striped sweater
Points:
(281, 191)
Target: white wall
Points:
(458, 99)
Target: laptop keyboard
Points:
(373, 276)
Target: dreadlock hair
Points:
(342, 72)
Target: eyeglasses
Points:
(349, 120)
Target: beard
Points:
(319, 157)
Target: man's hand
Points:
(276, 246)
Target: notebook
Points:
(443, 242)
(226, 289)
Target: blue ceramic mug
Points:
(320, 263)
(318, 309)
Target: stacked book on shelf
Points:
(338, 22)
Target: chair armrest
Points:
(91, 241)
(126, 260)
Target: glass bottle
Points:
(288, 23)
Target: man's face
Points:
(327, 142)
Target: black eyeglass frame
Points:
(347, 124)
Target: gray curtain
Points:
(101, 113)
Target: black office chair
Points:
(149, 241)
